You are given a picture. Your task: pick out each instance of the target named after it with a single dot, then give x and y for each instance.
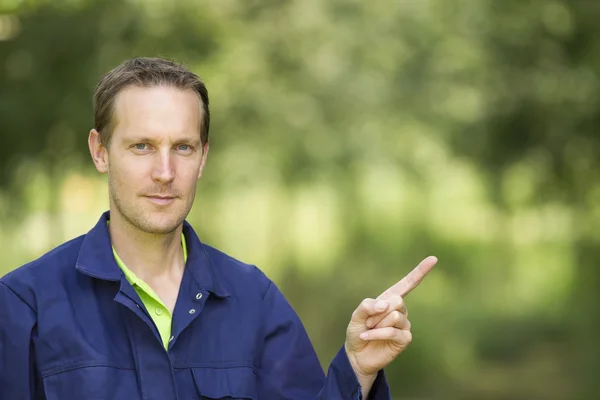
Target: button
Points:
(158, 311)
(198, 296)
(192, 311)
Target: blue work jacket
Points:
(72, 327)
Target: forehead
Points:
(157, 111)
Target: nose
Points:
(163, 170)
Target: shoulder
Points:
(44, 271)
(251, 288)
(235, 275)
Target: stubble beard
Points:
(143, 219)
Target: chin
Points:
(160, 222)
(160, 228)
(151, 220)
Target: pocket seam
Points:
(215, 365)
(249, 393)
(58, 369)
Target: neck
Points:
(147, 255)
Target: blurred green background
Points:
(351, 139)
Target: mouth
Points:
(161, 200)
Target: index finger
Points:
(412, 280)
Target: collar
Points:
(96, 258)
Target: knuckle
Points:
(397, 300)
(366, 303)
(402, 304)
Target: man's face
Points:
(155, 156)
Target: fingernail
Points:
(364, 335)
(381, 305)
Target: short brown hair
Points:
(144, 72)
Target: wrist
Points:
(365, 380)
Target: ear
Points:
(98, 151)
(203, 162)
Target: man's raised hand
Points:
(379, 329)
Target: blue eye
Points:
(140, 146)
(185, 148)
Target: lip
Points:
(161, 200)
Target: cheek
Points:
(190, 181)
(187, 173)
(125, 177)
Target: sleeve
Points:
(17, 367)
(289, 367)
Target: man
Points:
(139, 308)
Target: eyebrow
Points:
(147, 139)
(140, 139)
(195, 141)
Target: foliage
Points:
(350, 140)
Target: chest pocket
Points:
(91, 382)
(225, 383)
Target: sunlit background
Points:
(349, 140)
